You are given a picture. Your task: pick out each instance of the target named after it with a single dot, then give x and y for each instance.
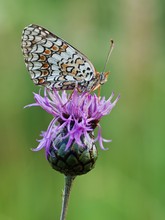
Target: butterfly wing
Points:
(52, 62)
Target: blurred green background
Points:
(128, 181)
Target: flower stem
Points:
(66, 195)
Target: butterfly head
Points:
(103, 77)
(100, 79)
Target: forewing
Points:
(52, 62)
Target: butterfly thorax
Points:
(94, 83)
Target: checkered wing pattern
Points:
(54, 63)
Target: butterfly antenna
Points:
(109, 53)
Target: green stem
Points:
(66, 195)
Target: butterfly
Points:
(55, 64)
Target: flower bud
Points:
(74, 160)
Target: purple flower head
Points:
(77, 114)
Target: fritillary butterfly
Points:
(55, 64)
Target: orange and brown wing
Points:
(52, 62)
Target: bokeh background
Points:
(128, 181)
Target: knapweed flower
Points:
(69, 140)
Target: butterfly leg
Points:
(99, 91)
(70, 97)
(76, 87)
